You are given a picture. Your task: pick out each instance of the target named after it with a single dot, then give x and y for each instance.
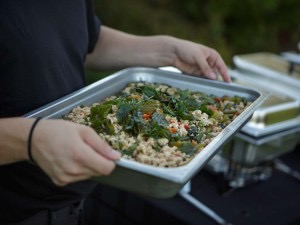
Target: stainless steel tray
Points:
(252, 151)
(144, 179)
(270, 68)
(281, 111)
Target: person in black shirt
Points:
(45, 47)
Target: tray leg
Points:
(184, 193)
(282, 167)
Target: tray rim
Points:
(183, 173)
(264, 71)
(253, 129)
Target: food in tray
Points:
(157, 124)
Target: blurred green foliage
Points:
(232, 27)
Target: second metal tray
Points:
(281, 111)
(270, 68)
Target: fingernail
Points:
(115, 154)
(212, 75)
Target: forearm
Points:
(117, 50)
(65, 159)
(13, 139)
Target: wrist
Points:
(30, 139)
(161, 50)
(13, 139)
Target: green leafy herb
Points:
(206, 110)
(99, 114)
(182, 111)
(149, 91)
(159, 119)
(148, 106)
(156, 131)
(123, 112)
(188, 148)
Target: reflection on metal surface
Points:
(269, 63)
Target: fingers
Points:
(99, 164)
(221, 67)
(100, 146)
(84, 163)
(211, 64)
(206, 68)
(79, 157)
(195, 58)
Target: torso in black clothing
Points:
(43, 45)
(42, 49)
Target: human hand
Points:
(69, 152)
(115, 50)
(199, 60)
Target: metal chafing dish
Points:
(279, 112)
(268, 67)
(144, 179)
(274, 128)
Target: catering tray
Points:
(252, 151)
(144, 179)
(271, 68)
(281, 111)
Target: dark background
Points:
(232, 27)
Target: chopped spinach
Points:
(99, 114)
(159, 119)
(188, 148)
